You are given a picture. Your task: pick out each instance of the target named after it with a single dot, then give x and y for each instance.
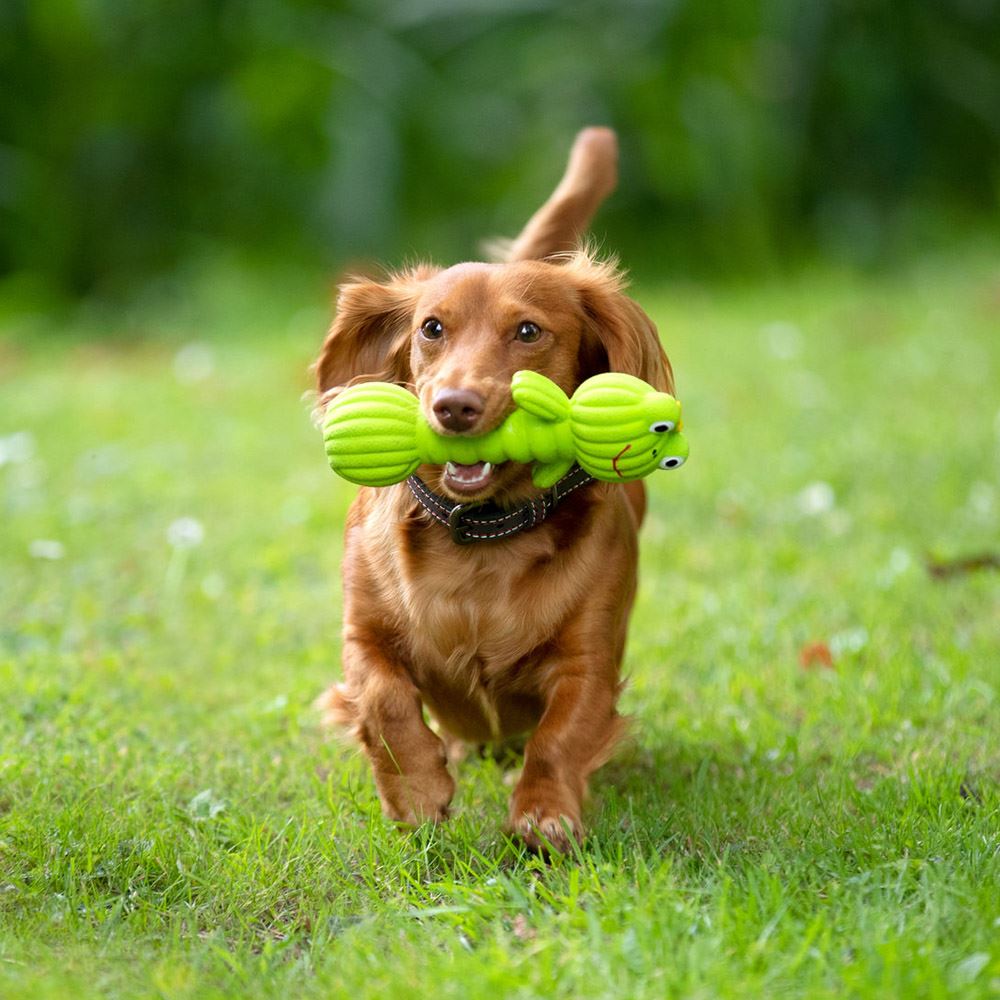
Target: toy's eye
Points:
(528, 332)
(671, 462)
(432, 328)
(662, 426)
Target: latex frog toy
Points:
(615, 426)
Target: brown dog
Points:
(521, 631)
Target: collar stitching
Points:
(472, 530)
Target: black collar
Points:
(488, 522)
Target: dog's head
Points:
(456, 336)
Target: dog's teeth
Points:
(467, 474)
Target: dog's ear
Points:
(369, 340)
(618, 336)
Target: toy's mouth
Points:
(614, 461)
(468, 479)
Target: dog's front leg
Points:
(408, 760)
(578, 730)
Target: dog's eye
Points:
(528, 332)
(662, 426)
(671, 462)
(432, 328)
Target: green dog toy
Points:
(616, 426)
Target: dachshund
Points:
(499, 608)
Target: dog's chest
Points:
(457, 629)
(472, 619)
(475, 658)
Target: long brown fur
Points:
(498, 639)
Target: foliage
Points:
(137, 135)
(174, 824)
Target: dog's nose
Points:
(458, 409)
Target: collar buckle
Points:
(455, 525)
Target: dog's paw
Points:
(416, 799)
(544, 826)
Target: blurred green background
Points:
(182, 183)
(136, 138)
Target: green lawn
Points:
(173, 822)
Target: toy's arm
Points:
(369, 433)
(539, 396)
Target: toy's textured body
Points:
(615, 426)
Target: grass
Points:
(173, 823)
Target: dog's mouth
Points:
(468, 480)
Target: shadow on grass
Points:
(703, 806)
(706, 803)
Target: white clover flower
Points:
(17, 448)
(194, 362)
(982, 499)
(900, 561)
(46, 548)
(783, 339)
(816, 498)
(185, 533)
(850, 640)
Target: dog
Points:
(500, 608)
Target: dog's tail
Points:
(560, 224)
